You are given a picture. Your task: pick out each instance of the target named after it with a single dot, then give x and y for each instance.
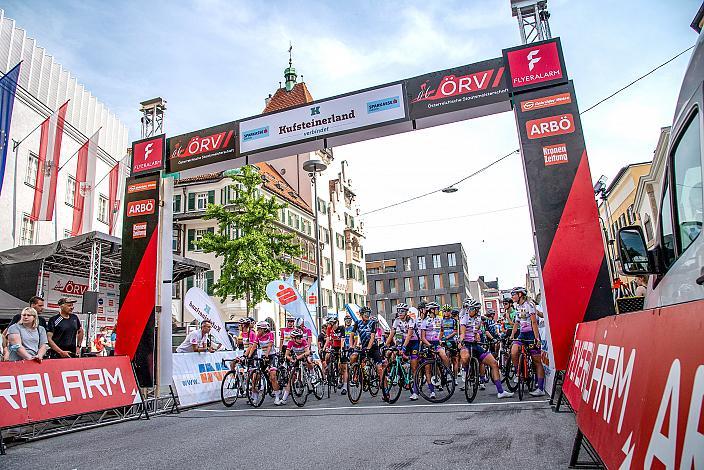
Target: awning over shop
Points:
(20, 267)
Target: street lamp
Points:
(449, 190)
(313, 167)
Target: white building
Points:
(648, 191)
(341, 231)
(44, 85)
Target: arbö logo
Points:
(532, 60)
(553, 125)
(255, 134)
(143, 207)
(383, 104)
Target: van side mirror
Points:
(632, 251)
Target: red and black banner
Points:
(456, 89)
(535, 65)
(565, 219)
(212, 145)
(140, 245)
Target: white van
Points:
(676, 263)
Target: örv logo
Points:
(553, 125)
(143, 207)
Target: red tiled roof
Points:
(283, 99)
(275, 183)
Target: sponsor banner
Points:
(199, 304)
(535, 65)
(284, 293)
(31, 392)
(546, 102)
(455, 89)
(638, 396)
(322, 119)
(203, 147)
(564, 216)
(148, 155)
(312, 297)
(135, 322)
(198, 376)
(57, 285)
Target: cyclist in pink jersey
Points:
(285, 332)
(263, 344)
(297, 349)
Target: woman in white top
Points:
(27, 339)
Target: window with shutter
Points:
(209, 281)
(189, 283)
(211, 197)
(191, 236)
(191, 201)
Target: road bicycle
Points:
(363, 376)
(258, 382)
(333, 378)
(506, 365)
(301, 381)
(396, 376)
(471, 377)
(526, 369)
(234, 383)
(431, 370)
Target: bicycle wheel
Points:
(229, 389)
(355, 383)
(440, 377)
(510, 375)
(371, 379)
(522, 366)
(391, 383)
(256, 388)
(471, 384)
(297, 386)
(316, 383)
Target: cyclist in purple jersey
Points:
(470, 328)
(430, 338)
(526, 325)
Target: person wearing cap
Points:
(64, 331)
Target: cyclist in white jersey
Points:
(526, 325)
(404, 330)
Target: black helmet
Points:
(422, 304)
(365, 311)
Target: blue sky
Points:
(215, 61)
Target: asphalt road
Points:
(330, 433)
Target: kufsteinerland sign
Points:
(322, 119)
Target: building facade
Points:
(432, 273)
(44, 85)
(648, 192)
(341, 232)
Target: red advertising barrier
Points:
(31, 392)
(636, 383)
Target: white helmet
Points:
(264, 325)
(299, 323)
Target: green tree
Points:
(253, 249)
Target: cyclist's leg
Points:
(485, 357)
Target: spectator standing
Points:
(37, 303)
(27, 339)
(199, 340)
(65, 333)
(641, 286)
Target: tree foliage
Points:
(253, 249)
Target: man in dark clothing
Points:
(64, 331)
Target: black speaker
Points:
(90, 303)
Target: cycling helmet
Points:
(475, 305)
(519, 290)
(507, 300)
(446, 308)
(467, 302)
(299, 323)
(422, 305)
(264, 325)
(402, 308)
(251, 320)
(331, 318)
(432, 305)
(365, 311)
(289, 318)
(348, 317)
(297, 333)
(242, 321)
(455, 311)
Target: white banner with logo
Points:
(57, 285)
(198, 376)
(199, 304)
(547, 353)
(324, 118)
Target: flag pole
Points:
(14, 199)
(76, 152)
(17, 143)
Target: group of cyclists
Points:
(454, 335)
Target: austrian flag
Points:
(85, 185)
(48, 166)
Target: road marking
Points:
(368, 407)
